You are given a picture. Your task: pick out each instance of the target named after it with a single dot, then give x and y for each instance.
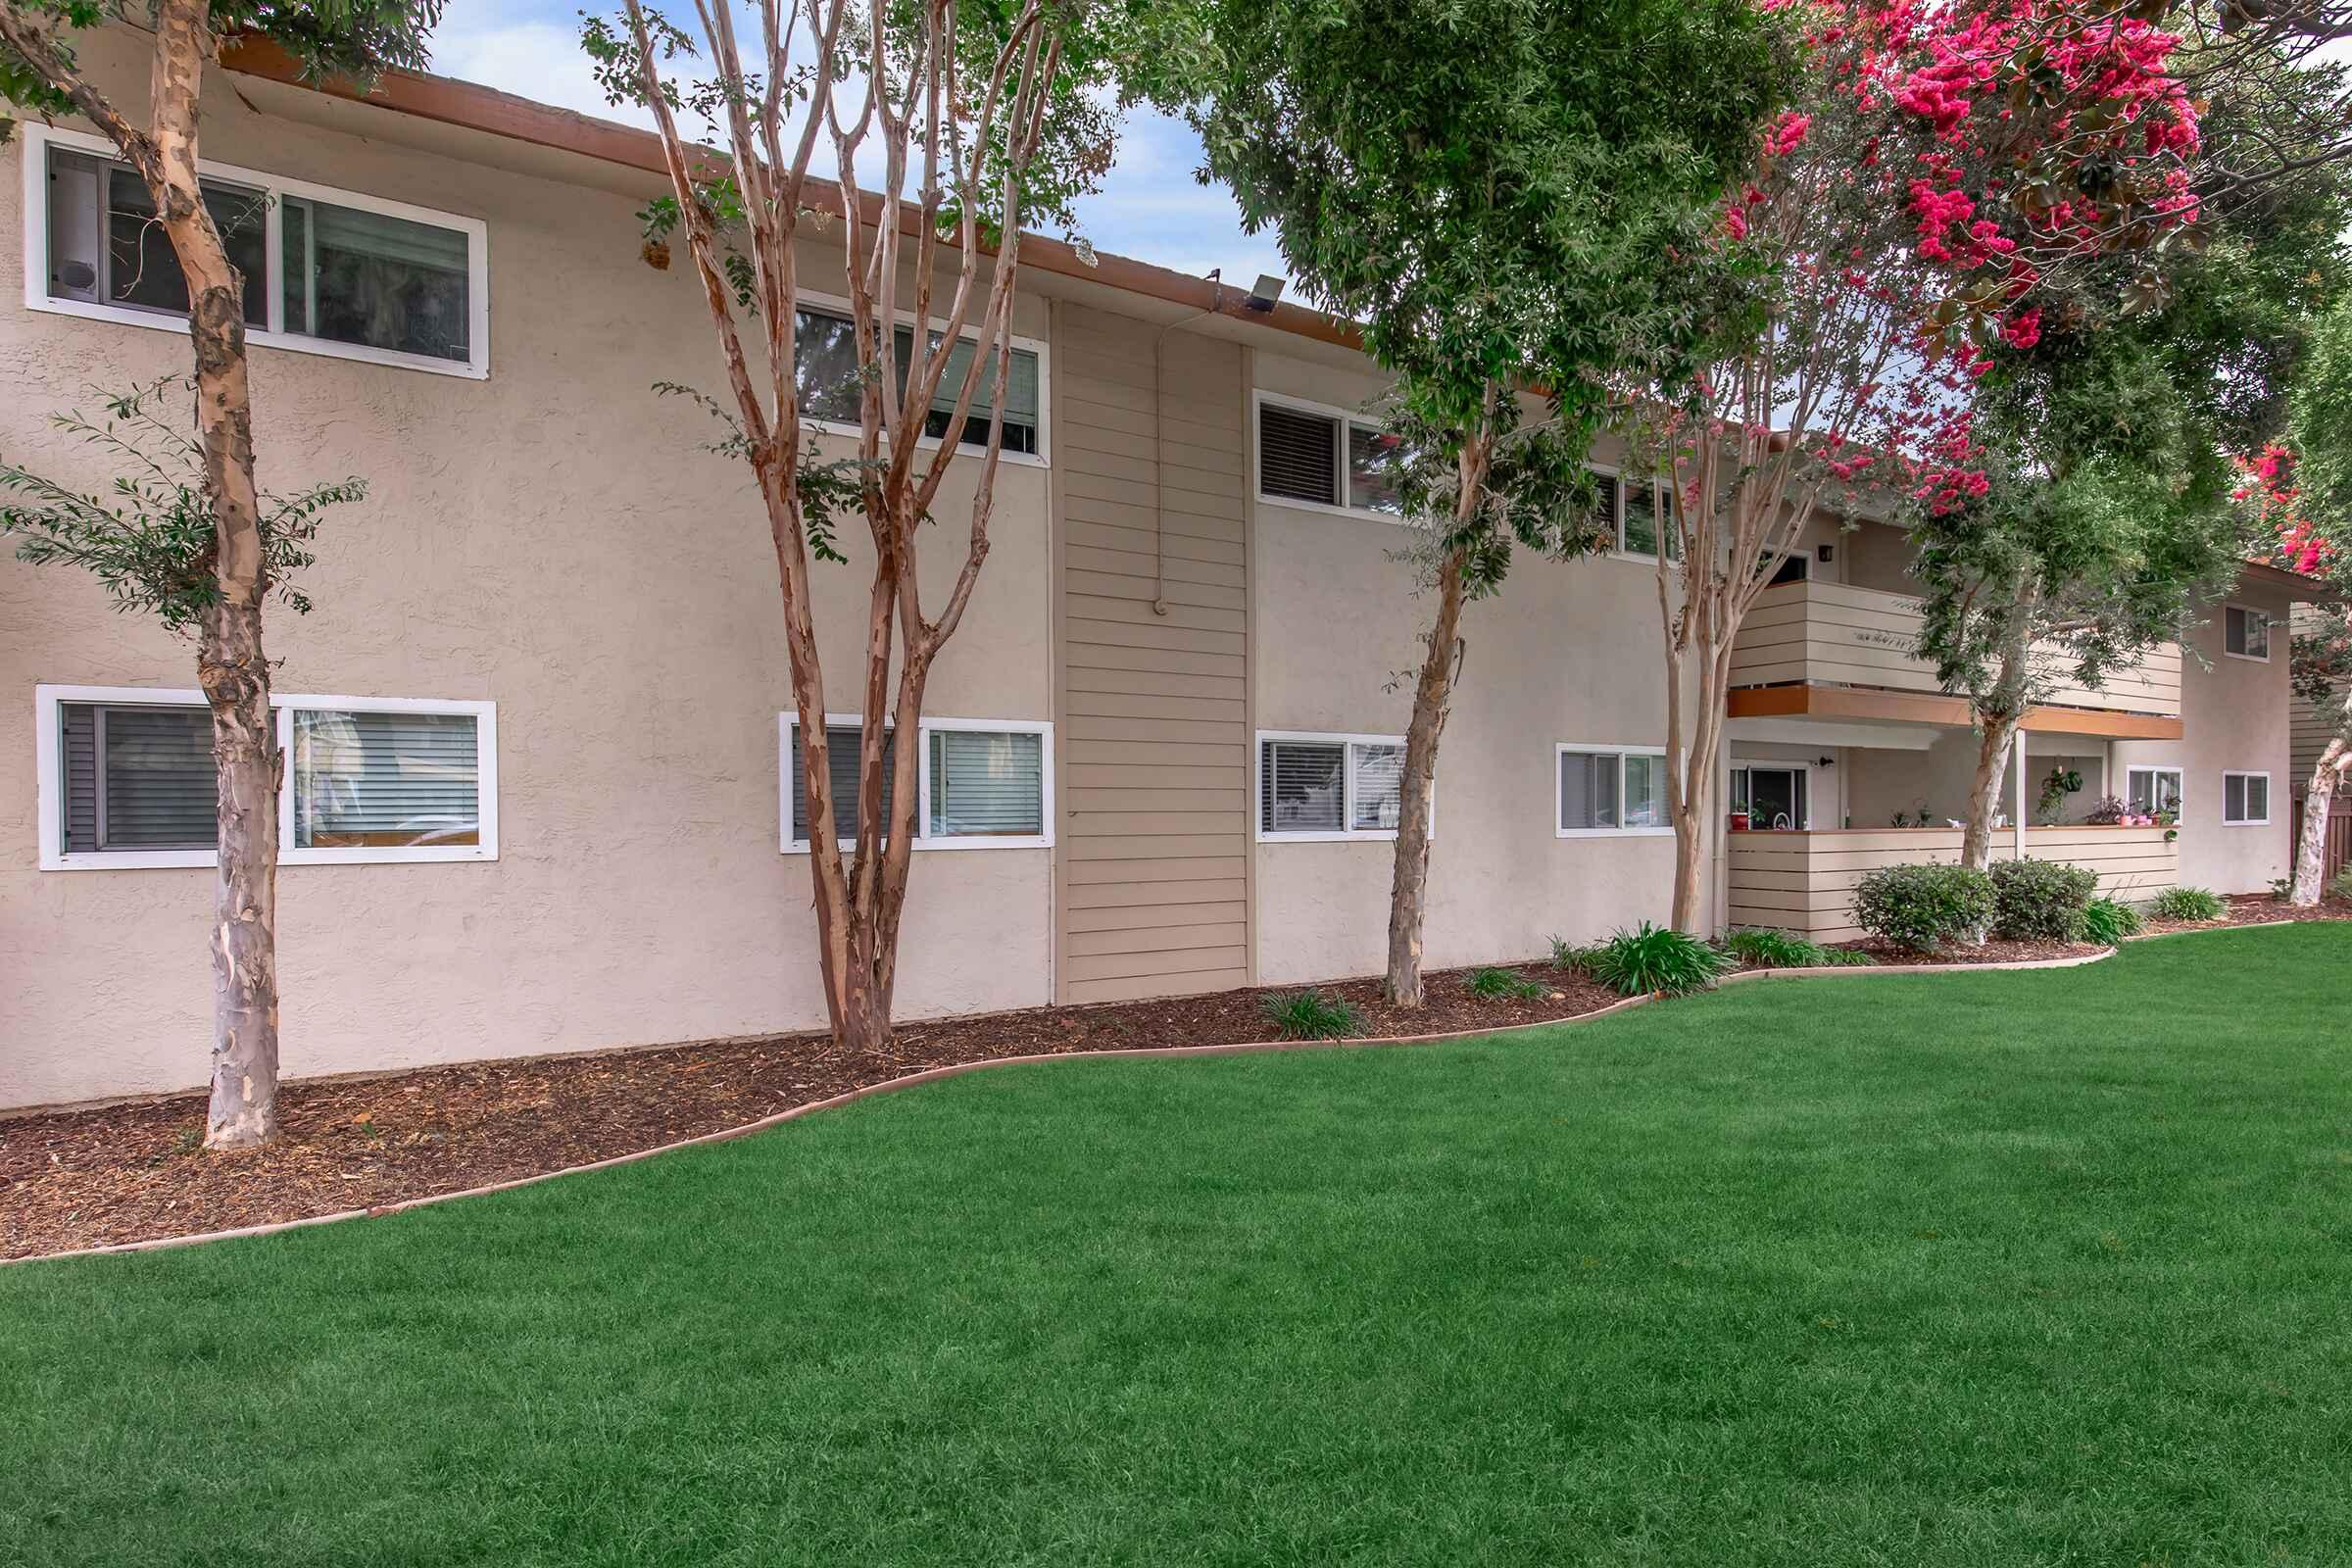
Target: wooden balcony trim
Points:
(1865, 703)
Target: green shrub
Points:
(1924, 907)
(1656, 959)
(1501, 985)
(2187, 904)
(2343, 883)
(2108, 923)
(1785, 950)
(1312, 1015)
(2040, 900)
(1572, 957)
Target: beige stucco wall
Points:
(1567, 652)
(551, 539)
(2234, 716)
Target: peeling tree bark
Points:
(2318, 801)
(1996, 734)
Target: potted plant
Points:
(2107, 812)
(1738, 822)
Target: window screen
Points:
(841, 771)
(386, 283)
(106, 245)
(1589, 782)
(2245, 798)
(1302, 786)
(1297, 455)
(831, 383)
(137, 777)
(2149, 789)
(1641, 519)
(1645, 791)
(1379, 783)
(2246, 632)
(379, 780)
(987, 783)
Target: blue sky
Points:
(1150, 207)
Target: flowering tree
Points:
(986, 111)
(1947, 169)
(39, 71)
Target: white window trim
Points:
(51, 814)
(38, 138)
(789, 721)
(1562, 749)
(2264, 821)
(1043, 458)
(1344, 835)
(2134, 770)
(1657, 489)
(2270, 624)
(1259, 399)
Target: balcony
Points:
(1804, 882)
(1837, 651)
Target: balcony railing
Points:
(1827, 633)
(1804, 882)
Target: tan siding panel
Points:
(1133, 916)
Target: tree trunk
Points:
(2319, 800)
(229, 662)
(1998, 733)
(1408, 890)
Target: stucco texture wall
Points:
(1567, 652)
(552, 539)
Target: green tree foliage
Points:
(1494, 191)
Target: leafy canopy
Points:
(151, 540)
(1490, 188)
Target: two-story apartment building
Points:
(539, 790)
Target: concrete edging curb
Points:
(956, 1070)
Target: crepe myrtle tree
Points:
(1939, 175)
(1492, 191)
(971, 119)
(40, 73)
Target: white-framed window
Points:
(2246, 632)
(326, 272)
(1608, 790)
(1638, 512)
(2149, 789)
(1314, 787)
(982, 784)
(2245, 800)
(128, 780)
(1324, 459)
(825, 369)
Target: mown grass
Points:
(2007, 1269)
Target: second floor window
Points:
(831, 388)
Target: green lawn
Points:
(2002, 1269)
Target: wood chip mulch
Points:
(133, 1171)
(1987, 952)
(2257, 908)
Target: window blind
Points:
(1379, 782)
(987, 783)
(1301, 786)
(1020, 405)
(1641, 519)
(841, 772)
(1587, 790)
(377, 779)
(1297, 455)
(138, 777)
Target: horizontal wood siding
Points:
(1804, 882)
(2310, 725)
(1153, 887)
(1833, 634)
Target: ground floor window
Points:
(128, 778)
(2149, 789)
(1313, 786)
(979, 784)
(2246, 800)
(1611, 789)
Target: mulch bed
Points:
(129, 1172)
(134, 1171)
(2257, 908)
(1989, 952)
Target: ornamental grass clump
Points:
(1501, 985)
(1784, 950)
(2196, 905)
(1312, 1015)
(2108, 923)
(2040, 900)
(1656, 960)
(1925, 908)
